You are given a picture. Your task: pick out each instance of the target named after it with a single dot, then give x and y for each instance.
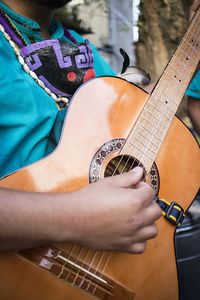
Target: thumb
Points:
(129, 179)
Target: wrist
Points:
(63, 223)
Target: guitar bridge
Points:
(77, 273)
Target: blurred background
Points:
(149, 31)
(140, 27)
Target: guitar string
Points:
(70, 256)
(104, 253)
(75, 245)
(98, 267)
(163, 88)
(166, 107)
(175, 85)
(157, 99)
(77, 260)
(82, 264)
(90, 268)
(153, 97)
(103, 271)
(126, 163)
(90, 265)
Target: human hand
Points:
(116, 213)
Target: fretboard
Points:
(156, 117)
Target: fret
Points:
(196, 30)
(150, 129)
(156, 131)
(194, 49)
(180, 63)
(150, 145)
(138, 136)
(137, 152)
(144, 122)
(164, 103)
(183, 70)
(171, 104)
(137, 146)
(178, 90)
(187, 54)
(183, 66)
(160, 115)
(145, 150)
(171, 91)
(146, 134)
(191, 44)
(168, 81)
(155, 121)
(164, 88)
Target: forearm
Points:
(31, 219)
(107, 215)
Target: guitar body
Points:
(102, 111)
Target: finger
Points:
(147, 233)
(137, 248)
(151, 214)
(129, 179)
(145, 194)
(139, 184)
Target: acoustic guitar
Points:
(111, 127)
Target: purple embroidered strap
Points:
(10, 31)
(69, 36)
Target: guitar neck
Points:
(155, 119)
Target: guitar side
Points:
(103, 110)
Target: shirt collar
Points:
(30, 27)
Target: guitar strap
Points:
(173, 212)
(60, 65)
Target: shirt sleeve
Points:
(27, 114)
(193, 89)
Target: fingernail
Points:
(137, 170)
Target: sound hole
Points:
(121, 164)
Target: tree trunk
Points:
(161, 25)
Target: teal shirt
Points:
(193, 89)
(30, 122)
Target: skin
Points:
(108, 215)
(116, 213)
(194, 113)
(41, 11)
